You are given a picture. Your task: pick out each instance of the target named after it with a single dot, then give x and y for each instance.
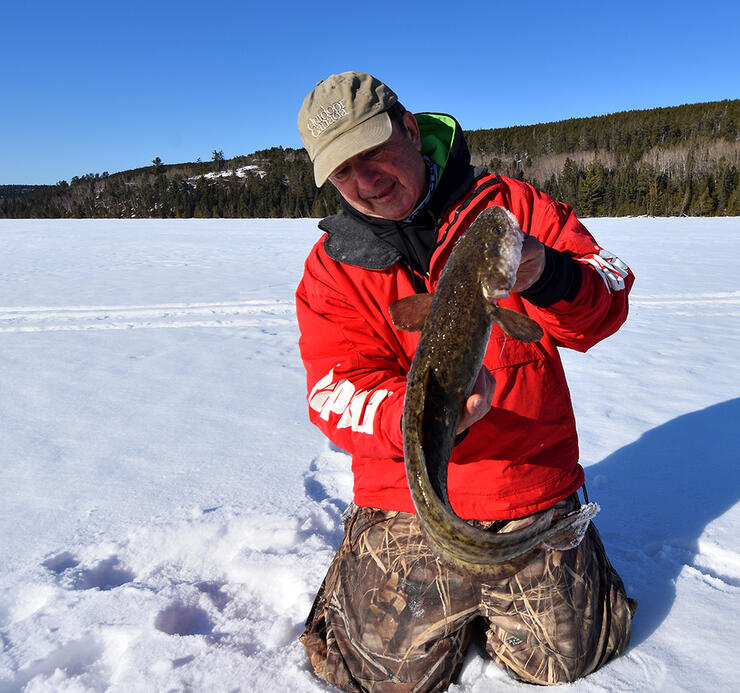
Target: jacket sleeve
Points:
(586, 297)
(354, 381)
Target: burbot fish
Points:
(455, 331)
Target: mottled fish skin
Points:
(446, 364)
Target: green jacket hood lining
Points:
(437, 135)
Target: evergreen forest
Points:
(678, 161)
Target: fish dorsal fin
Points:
(516, 325)
(409, 313)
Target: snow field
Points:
(175, 602)
(167, 512)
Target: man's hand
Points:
(532, 264)
(478, 403)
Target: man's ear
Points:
(412, 128)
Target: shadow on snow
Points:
(658, 494)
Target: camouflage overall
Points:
(391, 617)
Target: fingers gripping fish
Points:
(481, 270)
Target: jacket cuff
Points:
(560, 280)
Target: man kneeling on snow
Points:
(391, 616)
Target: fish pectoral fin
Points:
(409, 313)
(516, 325)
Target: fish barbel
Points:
(481, 269)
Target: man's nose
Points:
(366, 175)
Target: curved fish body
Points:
(480, 270)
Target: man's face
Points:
(389, 180)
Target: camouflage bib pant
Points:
(392, 617)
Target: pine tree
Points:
(591, 190)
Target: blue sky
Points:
(92, 87)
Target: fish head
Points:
(502, 249)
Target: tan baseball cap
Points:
(344, 115)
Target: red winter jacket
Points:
(522, 457)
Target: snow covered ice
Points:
(167, 512)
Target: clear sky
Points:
(88, 87)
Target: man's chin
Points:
(390, 211)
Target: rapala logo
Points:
(325, 117)
(356, 409)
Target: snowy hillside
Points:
(167, 512)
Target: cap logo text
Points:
(326, 116)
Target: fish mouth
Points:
(493, 296)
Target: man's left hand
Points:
(532, 264)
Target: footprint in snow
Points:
(105, 575)
(180, 619)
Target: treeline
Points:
(272, 183)
(683, 160)
(7, 191)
